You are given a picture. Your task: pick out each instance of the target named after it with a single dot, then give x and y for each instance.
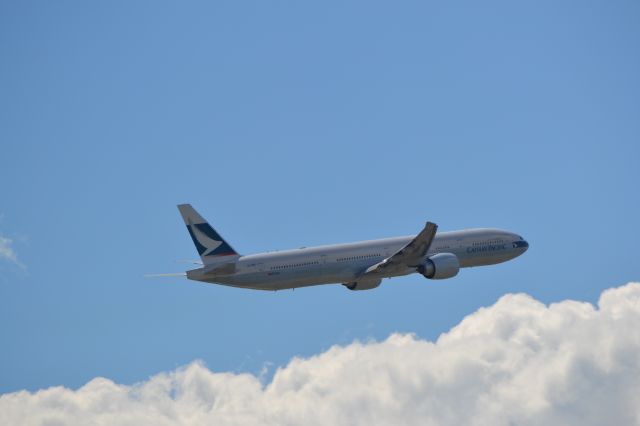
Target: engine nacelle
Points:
(363, 284)
(440, 266)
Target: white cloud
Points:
(7, 252)
(517, 362)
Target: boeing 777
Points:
(357, 266)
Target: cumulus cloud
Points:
(7, 251)
(518, 362)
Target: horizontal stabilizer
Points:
(191, 262)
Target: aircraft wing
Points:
(408, 256)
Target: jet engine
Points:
(363, 284)
(440, 266)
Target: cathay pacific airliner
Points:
(358, 266)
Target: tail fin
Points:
(208, 242)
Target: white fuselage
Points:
(343, 263)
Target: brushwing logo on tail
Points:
(207, 240)
(207, 243)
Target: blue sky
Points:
(291, 124)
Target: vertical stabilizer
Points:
(210, 245)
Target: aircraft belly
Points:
(286, 280)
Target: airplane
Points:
(358, 266)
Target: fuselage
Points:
(344, 263)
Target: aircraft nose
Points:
(522, 244)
